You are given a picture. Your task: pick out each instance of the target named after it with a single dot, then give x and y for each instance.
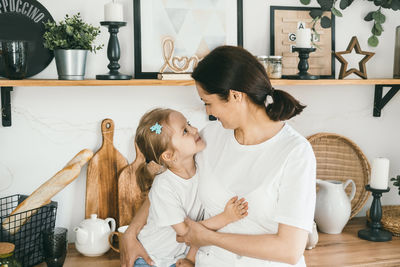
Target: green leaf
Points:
(379, 17)
(375, 31)
(373, 41)
(345, 3)
(326, 5)
(326, 22)
(336, 12)
(379, 27)
(369, 17)
(395, 5)
(315, 13)
(305, 2)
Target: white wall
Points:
(51, 124)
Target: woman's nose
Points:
(208, 110)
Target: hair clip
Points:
(156, 128)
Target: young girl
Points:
(165, 137)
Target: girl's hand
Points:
(235, 209)
(184, 263)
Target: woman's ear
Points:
(235, 95)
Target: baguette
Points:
(46, 191)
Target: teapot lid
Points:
(93, 220)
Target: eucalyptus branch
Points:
(377, 16)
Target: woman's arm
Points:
(286, 246)
(130, 247)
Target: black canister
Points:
(13, 54)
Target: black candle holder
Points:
(304, 54)
(375, 232)
(113, 52)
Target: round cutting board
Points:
(23, 20)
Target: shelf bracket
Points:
(6, 106)
(379, 101)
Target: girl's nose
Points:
(193, 130)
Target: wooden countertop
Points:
(345, 249)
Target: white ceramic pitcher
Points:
(333, 206)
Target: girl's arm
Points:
(286, 246)
(235, 209)
(130, 247)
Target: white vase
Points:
(333, 206)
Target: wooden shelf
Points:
(343, 250)
(139, 82)
(6, 85)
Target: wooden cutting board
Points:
(102, 176)
(130, 197)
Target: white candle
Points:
(380, 173)
(303, 38)
(113, 12)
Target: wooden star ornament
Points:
(362, 72)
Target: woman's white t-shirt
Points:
(277, 178)
(172, 199)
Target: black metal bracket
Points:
(379, 101)
(6, 106)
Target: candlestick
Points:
(375, 232)
(380, 173)
(113, 53)
(303, 64)
(113, 12)
(303, 38)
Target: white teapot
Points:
(92, 236)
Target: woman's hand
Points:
(197, 235)
(131, 249)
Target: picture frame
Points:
(152, 22)
(283, 22)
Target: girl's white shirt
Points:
(276, 177)
(172, 199)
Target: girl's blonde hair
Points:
(152, 145)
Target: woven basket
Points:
(340, 159)
(390, 219)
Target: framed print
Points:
(283, 25)
(196, 26)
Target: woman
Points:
(251, 153)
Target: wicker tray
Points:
(340, 159)
(390, 219)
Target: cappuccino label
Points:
(26, 8)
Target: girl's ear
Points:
(235, 95)
(167, 156)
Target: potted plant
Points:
(396, 182)
(71, 39)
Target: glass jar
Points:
(274, 69)
(263, 60)
(272, 65)
(7, 255)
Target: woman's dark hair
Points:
(231, 67)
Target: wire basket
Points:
(27, 237)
